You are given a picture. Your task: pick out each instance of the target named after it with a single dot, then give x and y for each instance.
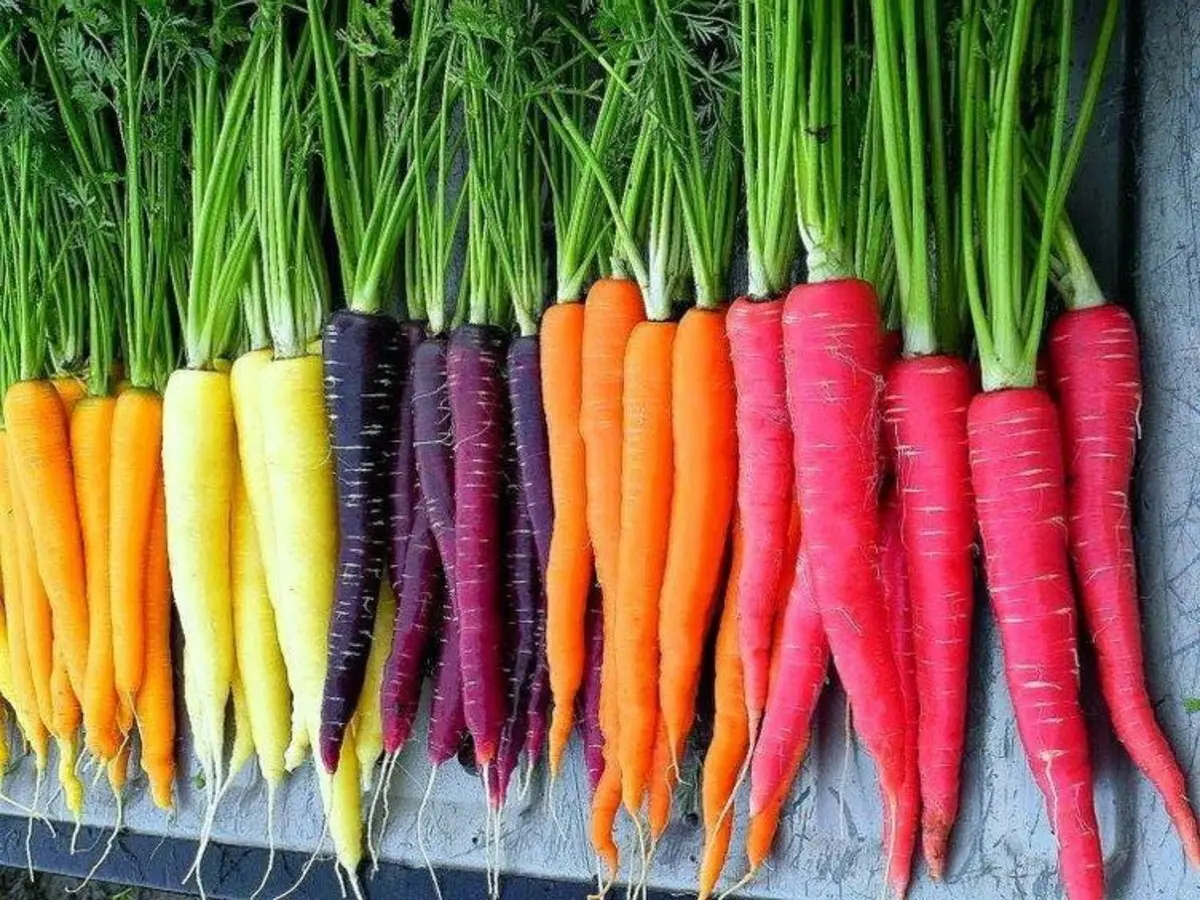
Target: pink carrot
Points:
(1017, 472)
(834, 357)
(1094, 367)
(765, 476)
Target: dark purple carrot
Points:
(529, 435)
(447, 723)
(404, 497)
(474, 365)
(362, 364)
(589, 719)
(520, 633)
(416, 616)
(433, 446)
(539, 689)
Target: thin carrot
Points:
(705, 449)
(91, 446)
(133, 479)
(663, 777)
(67, 717)
(605, 803)
(155, 700)
(646, 486)
(22, 695)
(569, 574)
(731, 732)
(41, 450)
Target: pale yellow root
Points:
(259, 657)
(199, 454)
(243, 735)
(68, 754)
(368, 716)
(300, 478)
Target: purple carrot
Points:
(529, 435)
(362, 364)
(474, 364)
(539, 689)
(433, 446)
(520, 619)
(404, 496)
(416, 615)
(589, 718)
(447, 723)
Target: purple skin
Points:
(474, 364)
(362, 363)
(520, 615)
(404, 497)
(529, 434)
(589, 718)
(433, 446)
(404, 671)
(539, 688)
(447, 724)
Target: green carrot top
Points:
(998, 61)
(286, 296)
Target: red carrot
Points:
(1094, 364)
(764, 498)
(833, 351)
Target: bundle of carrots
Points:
(242, 368)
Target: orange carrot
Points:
(646, 486)
(663, 777)
(91, 446)
(705, 446)
(41, 452)
(155, 700)
(569, 573)
(136, 467)
(36, 620)
(66, 719)
(70, 389)
(23, 699)
(731, 733)
(605, 803)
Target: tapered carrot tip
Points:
(935, 839)
(1191, 843)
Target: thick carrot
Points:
(41, 448)
(569, 573)
(646, 486)
(1094, 364)
(765, 476)
(199, 465)
(900, 838)
(834, 357)
(155, 699)
(134, 478)
(926, 411)
(21, 694)
(70, 389)
(731, 731)
(1017, 471)
(704, 438)
(91, 446)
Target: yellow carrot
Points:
(368, 716)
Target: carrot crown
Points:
(770, 55)
(913, 129)
(1006, 289)
(287, 292)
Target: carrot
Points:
(646, 488)
(36, 618)
(1094, 363)
(199, 465)
(91, 448)
(40, 446)
(764, 487)
(155, 699)
(900, 617)
(22, 695)
(70, 389)
(67, 717)
(705, 466)
(663, 776)
(724, 760)
(569, 573)
(136, 461)
(368, 721)
(605, 802)
(833, 346)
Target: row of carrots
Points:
(558, 515)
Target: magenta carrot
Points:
(1094, 366)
